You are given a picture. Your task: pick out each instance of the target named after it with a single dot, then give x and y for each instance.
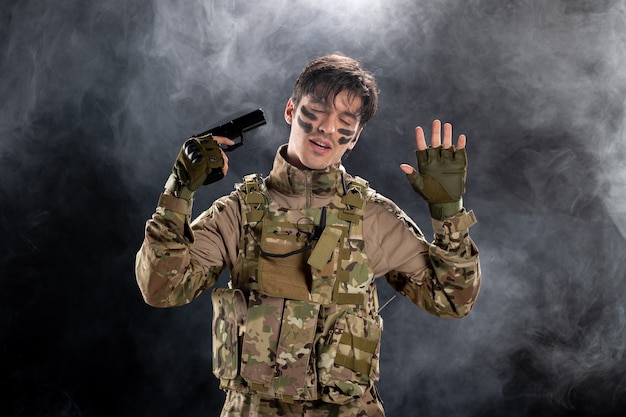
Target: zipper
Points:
(308, 190)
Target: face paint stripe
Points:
(348, 136)
(308, 114)
(307, 127)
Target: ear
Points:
(289, 110)
(353, 142)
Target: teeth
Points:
(320, 144)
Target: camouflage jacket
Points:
(287, 330)
(178, 260)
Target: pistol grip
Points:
(216, 174)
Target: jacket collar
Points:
(289, 180)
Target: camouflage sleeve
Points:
(449, 285)
(178, 261)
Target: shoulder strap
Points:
(354, 200)
(254, 198)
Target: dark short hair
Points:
(329, 75)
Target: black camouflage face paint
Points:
(348, 136)
(307, 127)
(308, 114)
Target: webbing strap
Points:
(467, 221)
(256, 387)
(177, 205)
(357, 365)
(354, 200)
(254, 198)
(345, 298)
(354, 203)
(360, 343)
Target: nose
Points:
(328, 124)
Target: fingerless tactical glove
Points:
(440, 180)
(198, 163)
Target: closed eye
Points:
(309, 113)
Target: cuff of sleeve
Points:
(460, 221)
(177, 205)
(445, 210)
(175, 187)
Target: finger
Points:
(407, 169)
(225, 167)
(447, 135)
(435, 141)
(420, 140)
(223, 140)
(461, 142)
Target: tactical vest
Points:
(299, 320)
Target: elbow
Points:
(161, 294)
(455, 304)
(153, 299)
(463, 311)
(452, 312)
(151, 295)
(466, 305)
(153, 287)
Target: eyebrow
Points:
(324, 103)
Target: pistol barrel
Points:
(236, 127)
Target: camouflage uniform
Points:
(261, 354)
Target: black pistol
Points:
(237, 127)
(232, 130)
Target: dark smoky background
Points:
(97, 98)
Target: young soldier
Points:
(297, 332)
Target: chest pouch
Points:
(324, 262)
(258, 351)
(229, 315)
(277, 347)
(295, 375)
(348, 357)
(283, 270)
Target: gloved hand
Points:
(440, 179)
(199, 162)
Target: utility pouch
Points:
(348, 358)
(324, 248)
(282, 266)
(258, 351)
(229, 315)
(294, 375)
(324, 261)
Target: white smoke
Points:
(107, 92)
